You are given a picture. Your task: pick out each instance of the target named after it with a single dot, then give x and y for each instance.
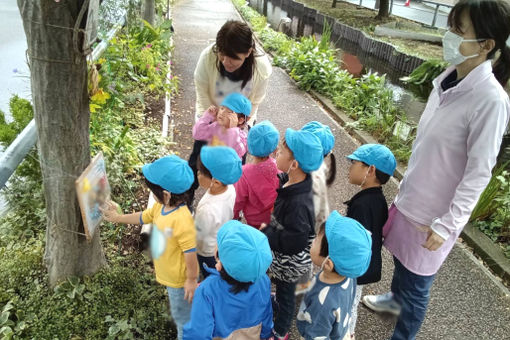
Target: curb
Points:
(490, 253)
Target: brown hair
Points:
(233, 38)
(175, 199)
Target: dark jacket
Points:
(293, 217)
(291, 230)
(369, 208)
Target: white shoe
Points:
(384, 303)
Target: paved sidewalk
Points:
(466, 302)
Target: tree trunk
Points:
(149, 12)
(384, 9)
(61, 109)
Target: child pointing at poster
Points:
(173, 238)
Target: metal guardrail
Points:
(19, 148)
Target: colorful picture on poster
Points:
(93, 191)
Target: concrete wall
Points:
(307, 21)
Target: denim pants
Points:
(412, 292)
(286, 306)
(210, 262)
(179, 308)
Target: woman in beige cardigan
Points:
(232, 64)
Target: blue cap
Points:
(263, 139)
(244, 251)
(237, 103)
(323, 132)
(306, 147)
(171, 173)
(222, 162)
(349, 245)
(377, 155)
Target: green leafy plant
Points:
(486, 203)
(426, 72)
(420, 80)
(492, 212)
(22, 114)
(72, 288)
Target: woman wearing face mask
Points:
(458, 139)
(231, 64)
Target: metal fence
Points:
(424, 11)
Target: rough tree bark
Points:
(149, 11)
(384, 9)
(61, 109)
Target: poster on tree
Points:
(93, 191)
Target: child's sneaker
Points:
(382, 303)
(276, 336)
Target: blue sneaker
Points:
(384, 303)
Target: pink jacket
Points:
(256, 192)
(207, 129)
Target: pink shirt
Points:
(208, 129)
(458, 140)
(256, 192)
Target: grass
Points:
(364, 19)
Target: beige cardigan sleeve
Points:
(204, 76)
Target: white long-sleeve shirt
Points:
(458, 140)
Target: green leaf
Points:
(74, 281)
(114, 329)
(4, 317)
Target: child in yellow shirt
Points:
(173, 237)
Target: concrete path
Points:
(466, 303)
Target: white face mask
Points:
(451, 52)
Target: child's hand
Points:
(233, 120)
(213, 110)
(110, 211)
(263, 226)
(189, 289)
